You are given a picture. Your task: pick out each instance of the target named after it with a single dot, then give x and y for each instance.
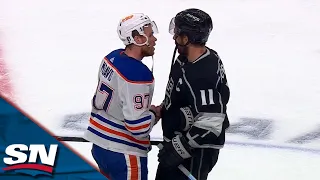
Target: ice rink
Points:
(270, 49)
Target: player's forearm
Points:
(206, 130)
(141, 126)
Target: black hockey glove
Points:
(174, 152)
(187, 118)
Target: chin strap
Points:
(175, 50)
(174, 55)
(152, 64)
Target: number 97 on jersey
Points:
(141, 101)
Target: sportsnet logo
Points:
(21, 157)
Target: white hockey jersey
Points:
(120, 119)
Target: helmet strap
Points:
(183, 47)
(174, 55)
(145, 43)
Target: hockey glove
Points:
(174, 152)
(187, 118)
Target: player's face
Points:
(148, 50)
(181, 42)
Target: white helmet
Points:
(133, 22)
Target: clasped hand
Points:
(157, 110)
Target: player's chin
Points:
(151, 51)
(148, 53)
(182, 50)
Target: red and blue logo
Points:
(33, 160)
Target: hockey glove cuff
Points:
(174, 152)
(187, 118)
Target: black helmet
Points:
(194, 23)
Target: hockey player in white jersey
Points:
(122, 117)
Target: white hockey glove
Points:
(187, 118)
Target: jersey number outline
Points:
(204, 97)
(141, 101)
(108, 92)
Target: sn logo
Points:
(19, 158)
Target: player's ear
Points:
(184, 39)
(137, 39)
(140, 39)
(179, 39)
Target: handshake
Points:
(157, 111)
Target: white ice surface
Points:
(244, 163)
(270, 49)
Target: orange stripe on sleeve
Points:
(138, 127)
(111, 131)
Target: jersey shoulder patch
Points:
(130, 69)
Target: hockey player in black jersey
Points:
(194, 111)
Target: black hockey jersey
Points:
(202, 86)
